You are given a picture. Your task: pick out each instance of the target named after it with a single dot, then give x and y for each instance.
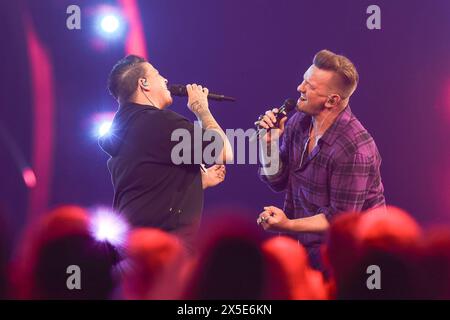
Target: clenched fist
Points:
(197, 98)
(269, 122)
(273, 219)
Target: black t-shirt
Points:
(149, 189)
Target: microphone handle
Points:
(220, 97)
(280, 114)
(281, 111)
(181, 91)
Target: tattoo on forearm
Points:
(204, 116)
(208, 122)
(197, 107)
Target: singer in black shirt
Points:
(149, 189)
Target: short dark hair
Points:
(122, 80)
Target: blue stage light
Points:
(103, 128)
(101, 124)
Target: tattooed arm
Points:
(198, 104)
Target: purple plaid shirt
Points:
(342, 173)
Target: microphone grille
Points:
(289, 104)
(177, 89)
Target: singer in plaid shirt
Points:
(328, 162)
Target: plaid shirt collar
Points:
(338, 126)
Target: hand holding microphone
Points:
(197, 98)
(198, 104)
(273, 120)
(180, 90)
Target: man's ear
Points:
(143, 83)
(333, 100)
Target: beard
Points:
(309, 108)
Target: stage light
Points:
(108, 226)
(109, 26)
(110, 23)
(103, 128)
(29, 177)
(101, 124)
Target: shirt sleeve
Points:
(349, 182)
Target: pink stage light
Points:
(29, 177)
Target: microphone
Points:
(180, 90)
(288, 106)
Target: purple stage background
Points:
(257, 52)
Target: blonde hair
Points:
(341, 66)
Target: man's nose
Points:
(301, 87)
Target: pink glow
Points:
(29, 177)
